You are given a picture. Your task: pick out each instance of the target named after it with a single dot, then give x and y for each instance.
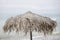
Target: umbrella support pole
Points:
(30, 35)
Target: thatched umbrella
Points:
(30, 22)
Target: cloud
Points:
(35, 4)
(19, 6)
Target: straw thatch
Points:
(30, 21)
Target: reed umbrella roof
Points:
(30, 21)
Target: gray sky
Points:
(17, 6)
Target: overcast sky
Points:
(21, 6)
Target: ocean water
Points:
(35, 37)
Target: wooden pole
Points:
(30, 28)
(30, 35)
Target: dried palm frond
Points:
(30, 21)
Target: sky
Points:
(21, 6)
(10, 8)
